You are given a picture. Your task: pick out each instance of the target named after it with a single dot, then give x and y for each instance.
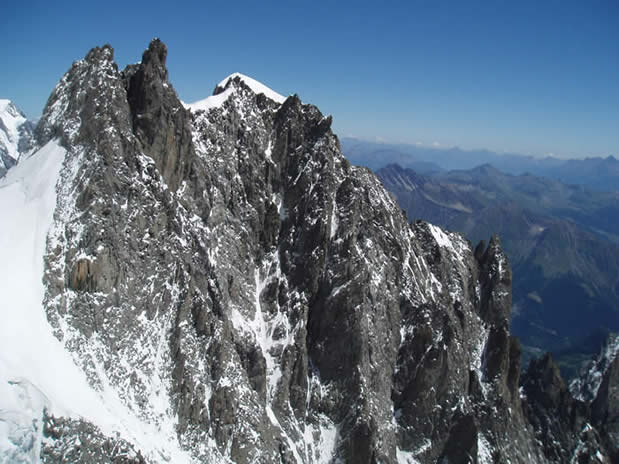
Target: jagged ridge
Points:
(235, 291)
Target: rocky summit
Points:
(222, 286)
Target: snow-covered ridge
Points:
(215, 101)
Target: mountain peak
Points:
(154, 57)
(254, 85)
(156, 50)
(75, 99)
(100, 54)
(15, 134)
(487, 168)
(8, 107)
(232, 84)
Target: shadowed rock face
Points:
(158, 118)
(251, 296)
(548, 395)
(572, 430)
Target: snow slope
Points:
(36, 372)
(33, 365)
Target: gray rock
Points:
(76, 441)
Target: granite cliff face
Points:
(235, 291)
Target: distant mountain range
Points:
(601, 174)
(562, 242)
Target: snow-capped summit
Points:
(7, 106)
(15, 134)
(228, 86)
(257, 87)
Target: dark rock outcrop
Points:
(159, 120)
(76, 441)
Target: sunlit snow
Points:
(215, 101)
(36, 372)
(10, 121)
(256, 86)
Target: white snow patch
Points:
(478, 350)
(477, 359)
(441, 238)
(3, 104)
(484, 450)
(269, 151)
(406, 457)
(260, 330)
(447, 241)
(334, 220)
(328, 440)
(214, 101)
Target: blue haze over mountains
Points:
(597, 173)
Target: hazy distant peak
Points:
(487, 168)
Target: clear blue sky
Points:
(530, 77)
